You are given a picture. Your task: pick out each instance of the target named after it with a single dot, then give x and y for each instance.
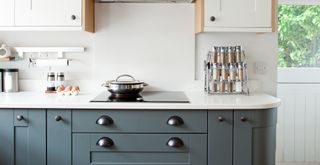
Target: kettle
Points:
(5, 51)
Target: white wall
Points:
(154, 42)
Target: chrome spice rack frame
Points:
(226, 71)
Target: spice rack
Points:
(226, 71)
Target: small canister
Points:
(10, 80)
(50, 82)
(1, 70)
(60, 81)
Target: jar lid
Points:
(10, 70)
(60, 73)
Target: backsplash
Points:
(153, 42)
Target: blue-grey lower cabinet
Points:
(6, 137)
(142, 149)
(23, 137)
(242, 137)
(59, 137)
(220, 136)
(255, 137)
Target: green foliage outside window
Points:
(299, 35)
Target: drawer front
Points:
(256, 118)
(142, 149)
(129, 121)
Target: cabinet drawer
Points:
(256, 118)
(129, 121)
(143, 149)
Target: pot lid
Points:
(131, 81)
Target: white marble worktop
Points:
(198, 100)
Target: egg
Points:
(75, 88)
(68, 88)
(61, 88)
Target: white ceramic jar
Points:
(5, 51)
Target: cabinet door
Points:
(142, 149)
(59, 137)
(6, 12)
(238, 13)
(48, 12)
(29, 137)
(220, 135)
(6, 137)
(254, 137)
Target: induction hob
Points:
(146, 96)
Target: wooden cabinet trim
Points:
(88, 13)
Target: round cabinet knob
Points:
(57, 118)
(73, 17)
(104, 120)
(220, 118)
(20, 117)
(212, 18)
(175, 142)
(243, 119)
(175, 121)
(105, 142)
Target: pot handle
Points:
(125, 75)
(106, 84)
(145, 84)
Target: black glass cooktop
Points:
(146, 96)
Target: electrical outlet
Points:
(260, 67)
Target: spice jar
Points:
(238, 54)
(213, 87)
(213, 55)
(238, 86)
(224, 72)
(50, 82)
(215, 72)
(240, 72)
(232, 72)
(222, 55)
(230, 86)
(222, 86)
(230, 55)
(60, 81)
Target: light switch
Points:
(260, 67)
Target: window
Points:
(299, 35)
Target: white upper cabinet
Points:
(6, 12)
(53, 15)
(48, 12)
(235, 15)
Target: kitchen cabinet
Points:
(235, 16)
(6, 137)
(6, 12)
(146, 149)
(244, 137)
(50, 15)
(149, 137)
(254, 137)
(23, 137)
(59, 137)
(128, 121)
(220, 135)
